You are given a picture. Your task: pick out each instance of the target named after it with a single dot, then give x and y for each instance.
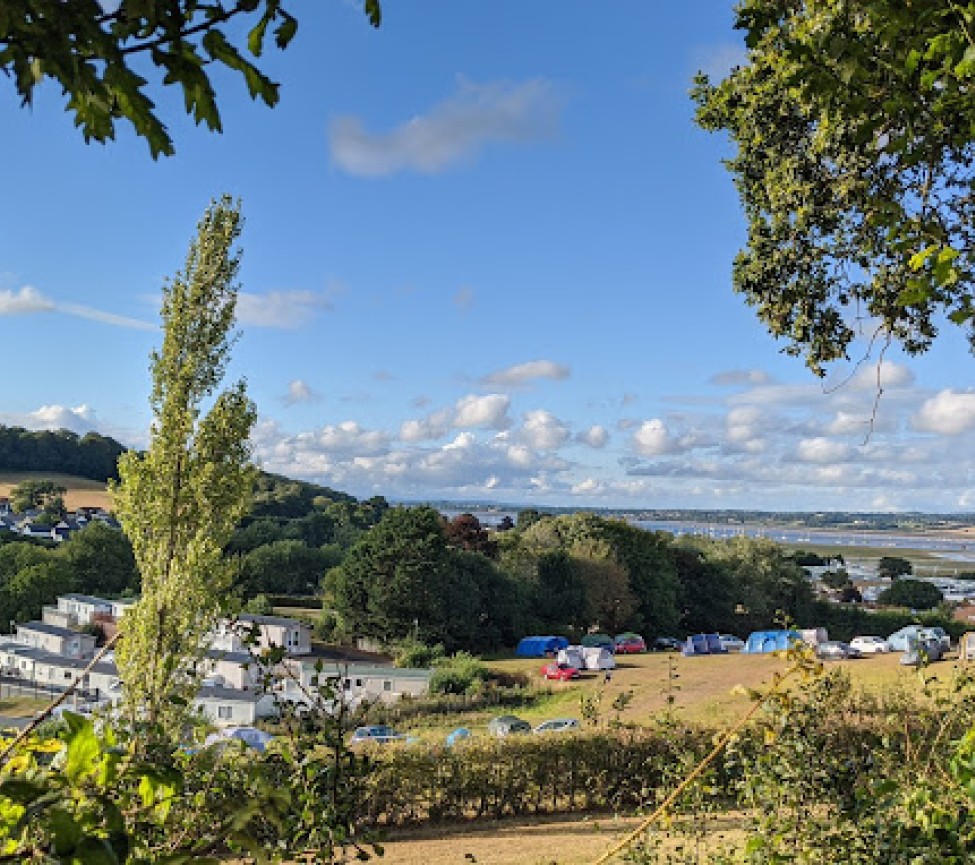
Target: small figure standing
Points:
(609, 676)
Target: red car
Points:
(630, 644)
(561, 672)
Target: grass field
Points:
(703, 690)
(82, 492)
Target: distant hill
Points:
(90, 456)
(81, 492)
(85, 464)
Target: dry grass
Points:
(82, 492)
(567, 840)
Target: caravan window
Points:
(225, 712)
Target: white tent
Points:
(573, 656)
(598, 658)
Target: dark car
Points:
(506, 725)
(666, 644)
(377, 733)
(836, 650)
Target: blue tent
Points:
(540, 647)
(770, 641)
(703, 644)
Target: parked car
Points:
(666, 644)
(629, 644)
(506, 725)
(558, 725)
(871, 645)
(560, 672)
(379, 733)
(731, 643)
(922, 649)
(835, 650)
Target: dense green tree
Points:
(892, 567)
(707, 597)
(99, 53)
(854, 133)
(101, 560)
(559, 596)
(914, 594)
(45, 495)
(286, 567)
(836, 580)
(33, 586)
(766, 582)
(179, 501)
(393, 582)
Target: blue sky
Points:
(487, 256)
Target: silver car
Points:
(557, 725)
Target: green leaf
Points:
(83, 753)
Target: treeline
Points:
(415, 574)
(91, 456)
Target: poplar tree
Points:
(179, 501)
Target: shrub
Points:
(458, 674)
(417, 655)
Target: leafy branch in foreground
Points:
(854, 134)
(97, 51)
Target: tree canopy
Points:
(916, 594)
(854, 133)
(100, 51)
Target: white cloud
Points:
(884, 374)
(740, 376)
(287, 310)
(652, 438)
(525, 372)
(949, 412)
(588, 487)
(54, 417)
(25, 301)
(596, 436)
(452, 132)
(435, 426)
(822, 450)
(542, 430)
(484, 412)
(28, 300)
(347, 437)
(299, 391)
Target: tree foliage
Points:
(99, 52)
(892, 567)
(914, 594)
(854, 133)
(179, 501)
(90, 456)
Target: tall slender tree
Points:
(179, 501)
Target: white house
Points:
(235, 669)
(84, 608)
(228, 707)
(262, 632)
(355, 682)
(56, 640)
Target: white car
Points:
(557, 725)
(870, 645)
